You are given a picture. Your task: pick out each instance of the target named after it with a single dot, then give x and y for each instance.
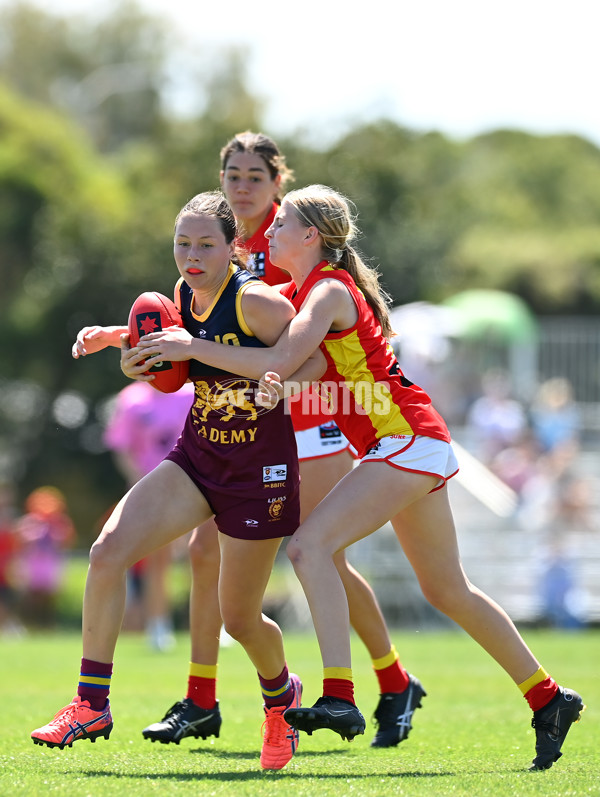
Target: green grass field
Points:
(471, 738)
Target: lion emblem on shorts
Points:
(229, 400)
(276, 508)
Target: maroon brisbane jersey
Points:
(241, 456)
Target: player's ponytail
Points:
(367, 279)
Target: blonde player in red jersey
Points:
(340, 337)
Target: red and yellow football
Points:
(153, 312)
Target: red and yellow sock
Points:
(202, 684)
(390, 673)
(539, 689)
(337, 682)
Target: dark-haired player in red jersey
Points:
(222, 466)
(340, 337)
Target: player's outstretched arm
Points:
(290, 340)
(92, 339)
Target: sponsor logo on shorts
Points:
(276, 507)
(275, 473)
(251, 522)
(329, 430)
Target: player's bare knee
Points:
(300, 552)
(293, 552)
(202, 555)
(203, 548)
(106, 554)
(445, 598)
(237, 626)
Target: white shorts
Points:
(321, 441)
(417, 454)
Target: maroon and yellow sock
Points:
(277, 691)
(337, 682)
(390, 673)
(539, 689)
(94, 683)
(202, 684)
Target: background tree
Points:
(63, 210)
(533, 228)
(108, 73)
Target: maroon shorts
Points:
(273, 510)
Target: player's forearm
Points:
(242, 360)
(112, 335)
(93, 339)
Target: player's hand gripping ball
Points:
(153, 312)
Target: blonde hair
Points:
(334, 217)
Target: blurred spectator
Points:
(576, 503)
(495, 420)
(556, 496)
(564, 605)
(517, 464)
(9, 544)
(555, 417)
(143, 428)
(45, 532)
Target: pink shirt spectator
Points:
(145, 425)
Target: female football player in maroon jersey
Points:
(222, 466)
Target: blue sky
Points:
(460, 66)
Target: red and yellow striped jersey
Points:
(368, 395)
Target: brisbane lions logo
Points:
(230, 398)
